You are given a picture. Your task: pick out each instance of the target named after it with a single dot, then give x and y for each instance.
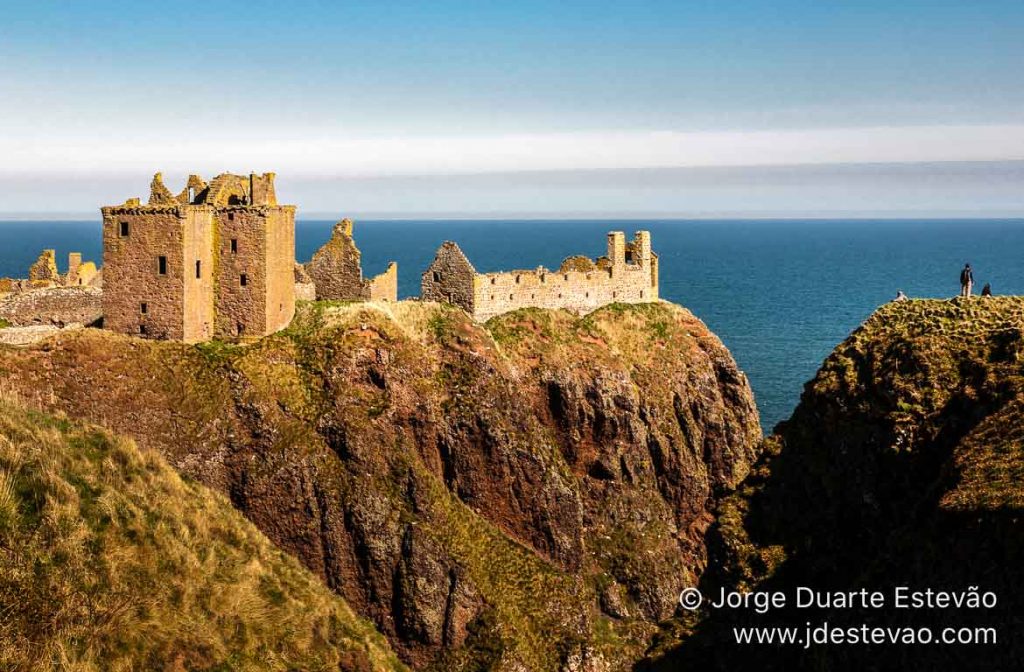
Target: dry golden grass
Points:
(110, 561)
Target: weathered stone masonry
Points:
(215, 261)
(628, 274)
(336, 271)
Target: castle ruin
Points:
(336, 271)
(43, 272)
(628, 274)
(215, 261)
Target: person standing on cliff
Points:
(966, 280)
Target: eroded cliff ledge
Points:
(527, 495)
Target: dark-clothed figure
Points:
(966, 280)
(986, 290)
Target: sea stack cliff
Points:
(901, 466)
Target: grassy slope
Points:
(109, 560)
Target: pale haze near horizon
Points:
(573, 109)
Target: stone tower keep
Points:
(215, 261)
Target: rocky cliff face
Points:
(529, 495)
(902, 466)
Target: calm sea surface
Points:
(781, 294)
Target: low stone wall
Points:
(305, 291)
(31, 335)
(57, 306)
(576, 291)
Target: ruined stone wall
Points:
(53, 306)
(199, 281)
(280, 265)
(627, 275)
(450, 278)
(336, 268)
(241, 276)
(383, 287)
(80, 273)
(257, 244)
(581, 292)
(44, 270)
(137, 299)
(83, 276)
(74, 264)
(305, 290)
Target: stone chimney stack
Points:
(617, 248)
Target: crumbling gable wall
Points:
(336, 271)
(450, 278)
(628, 274)
(44, 269)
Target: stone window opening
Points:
(586, 295)
(493, 280)
(543, 278)
(199, 269)
(509, 297)
(641, 293)
(191, 194)
(615, 295)
(533, 296)
(437, 276)
(161, 265)
(142, 329)
(566, 276)
(518, 277)
(559, 295)
(124, 229)
(234, 246)
(143, 308)
(492, 297)
(243, 279)
(231, 216)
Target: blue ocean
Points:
(780, 294)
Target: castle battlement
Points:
(627, 274)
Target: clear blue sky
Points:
(328, 89)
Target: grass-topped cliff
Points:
(529, 494)
(109, 560)
(902, 465)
